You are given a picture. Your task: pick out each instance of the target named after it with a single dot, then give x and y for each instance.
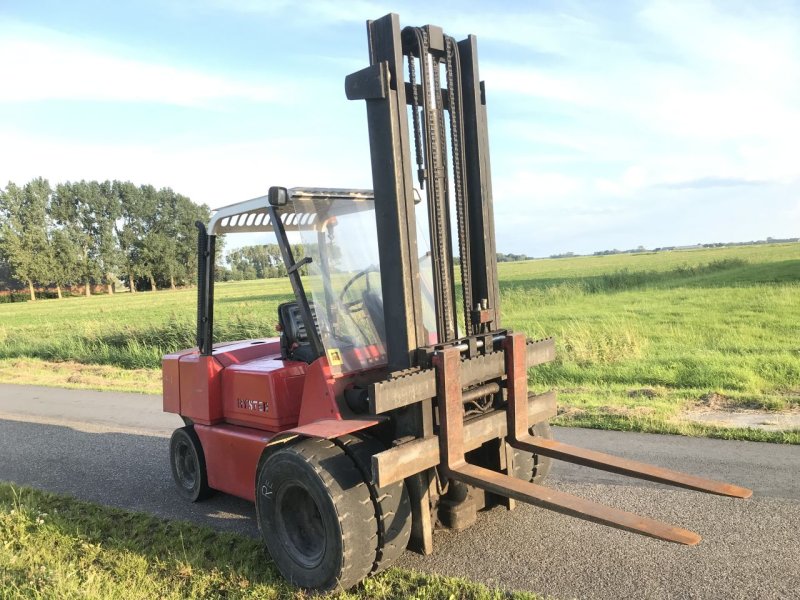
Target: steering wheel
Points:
(357, 305)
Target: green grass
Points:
(685, 323)
(71, 374)
(57, 547)
(135, 330)
(657, 410)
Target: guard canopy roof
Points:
(253, 215)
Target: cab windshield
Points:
(343, 279)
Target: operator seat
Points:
(295, 344)
(373, 304)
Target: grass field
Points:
(56, 547)
(641, 338)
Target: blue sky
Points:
(612, 124)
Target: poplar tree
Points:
(129, 230)
(23, 230)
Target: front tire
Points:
(392, 505)
(316, 515)
(188, 464)
(534, 467)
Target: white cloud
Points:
(632, 180)
(214, 174)
(740, 76)
(693, 90)
(40, 64)
(536, 83)
(537, 188)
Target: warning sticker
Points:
(334, 357)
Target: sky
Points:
(611, 124)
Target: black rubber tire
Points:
(316, 515)
(188, 463)
(534, 467)
(391, 502)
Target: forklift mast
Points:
(470, 356)
(445, 101)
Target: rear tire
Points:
(316, 515)
(534, 467)
(188, 464)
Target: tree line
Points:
(263, 261)
(101, 233)
(511, 257)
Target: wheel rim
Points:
(185, 465)
(299, 525)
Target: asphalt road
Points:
(112, 448)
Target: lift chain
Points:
(437, 193)
(452, 68)
(412, 77)
(443, 222)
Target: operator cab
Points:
(338, 306)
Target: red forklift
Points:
(394, 400)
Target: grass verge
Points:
(75, 375)
(57, 547)
(661, 409)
